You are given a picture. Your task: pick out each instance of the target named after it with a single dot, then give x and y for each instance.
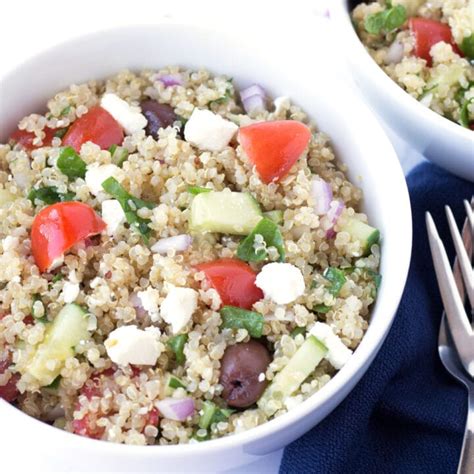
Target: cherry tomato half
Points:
(96, 126)
(234, 280)
(274, 147)
(429, 32)
(58, 227)
(25, 139)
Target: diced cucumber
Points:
(446, 76)
(67, 330)
(274, 216)
(364, 233)
(208, 411)
(172, 383)
(6, 197)
(225, 212)
(288, 380)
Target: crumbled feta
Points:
(281, 103)
(10, 243)
(338, 354)
(97, 174)
(209, 131)
(130, 118)
(281, 282)
(112, 214)
(130, 345)
(70, 292)
(150, 301)
(178, 307)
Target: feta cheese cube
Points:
(209, 131)
(283, 283)
(178, 307)
(97, 174)
(150, 301)
(112, 214)
(130, 118)
(338, 354)
(130, 345)
(70, 292)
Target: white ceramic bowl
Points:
(445, 143)
(359, 142)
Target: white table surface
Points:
(30, 26)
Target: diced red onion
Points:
(394, 53)
(136, 302)
(335, 211)
(253, 98)
(322, 194)
(176, 409)
(171, 80)
(179, 243)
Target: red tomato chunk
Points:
(25, 139)
(96, 126)
(60, 226)
(274, 147)
(234, 280)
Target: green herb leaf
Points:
(238, 318)
(60, 132)
(297, 331)
(251, 250)
(71, 164)
(119, 154)
(65, 111)
(212, 414)
(54, 385)
(57, 277)
(176, 344)
(194, 190)
(395, 17)
(336, 278)
(49, 195)
(321, 308)
(467, 46)
(377, 280)
(386, 20)
(174, 382)
(464, 114)
(227, 95)
(130, 204)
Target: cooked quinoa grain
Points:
(429, 52)
(119, 334)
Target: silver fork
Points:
(457, 358)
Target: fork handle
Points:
(466, 463)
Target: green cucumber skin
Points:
(224, 212)
(299, 367)
(364, 233)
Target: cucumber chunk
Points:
(224, 211)
(288, 380)
(67, 330)
(274, 216)
(364, 233)
(172, 383)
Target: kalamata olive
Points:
(241, 367)
(158, 116)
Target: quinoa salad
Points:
(180, 260)
(427, 48)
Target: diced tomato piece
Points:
(9, 392)
(234, 280)
(87, 426)
(25, 139)
(96, 126)
(429, 32)
(274, 147)
(153, 417)
(58, 227)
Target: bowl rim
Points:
(340, 13)
(362, 356)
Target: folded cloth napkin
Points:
(407, 414)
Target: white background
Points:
(30, 26)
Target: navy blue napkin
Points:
(407, 414)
